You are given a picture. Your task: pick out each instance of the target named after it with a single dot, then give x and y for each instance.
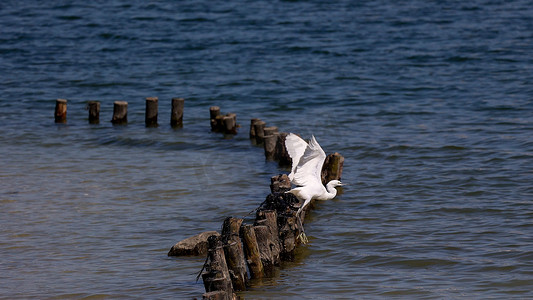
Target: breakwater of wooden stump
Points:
(120, 112)
(242, 251)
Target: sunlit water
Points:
(430, 103)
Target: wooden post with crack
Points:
(217, 280)
(234, 253)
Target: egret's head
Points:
(335, 183)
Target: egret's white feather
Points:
(309, 168)
(295, 146)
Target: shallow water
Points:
(429, 102)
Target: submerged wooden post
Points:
(332, 168)
(270, 145)
(216, 277)
(259, 128)
(230, 123)
(252, 128)
(214, 112)
(120, 112)
(176, 115)
(251, 250)
(94, 112)
(281, 151)
(234, 253)
(60, 113)
(151, 112)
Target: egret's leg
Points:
(302, 236)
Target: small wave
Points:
(419, 263)
(69, 18)
(460, 59)
(112, 36)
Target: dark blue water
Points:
(430, 102)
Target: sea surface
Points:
(430, 103)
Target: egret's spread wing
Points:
(295, 146)
(308, 170)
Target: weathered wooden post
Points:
(120, 112)
(176, 115)
(288, 233)
(230, 123)
(259, 128)
(281, 151)
(60, 113)
(251, 250)
(270, 145)
(269, 218)
(270, 130)
(214, 112)
(234, 253)
(94, 112)
(252, 128)
(262, 234)
(332, 168)
(151, 111)
(216, 278)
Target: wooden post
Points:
(60, 113)
(269, 219)
(120, 112)
(288, 233)
(259, 128)
(280, 184)
(234, 253)
(270, 145)
(214, 112)
(251, 250)
(217, 277)
(270, 130)
(281, 151)
(230, 123)
(262, 234)
(332, 168)
(94, 112)
(176, 115)
(252, 129)
(270, 139)
(151, 112)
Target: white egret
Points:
(307, 162)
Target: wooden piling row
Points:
(120, 112)
(243, 251)
(222, 123)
